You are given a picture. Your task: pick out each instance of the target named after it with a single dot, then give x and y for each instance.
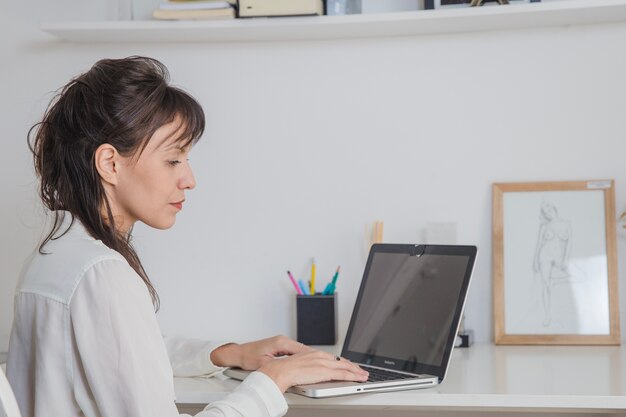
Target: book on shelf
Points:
(233, 2)
(197, 14)
(194, 5)
(262, 8)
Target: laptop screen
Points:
(409, 306)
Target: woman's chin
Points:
(161, 224)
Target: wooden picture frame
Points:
(555, 263)
(444, 4)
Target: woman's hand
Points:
(311, 367)
(251, 356)
(300, 364)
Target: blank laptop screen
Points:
(407, 307)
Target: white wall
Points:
(308, 142)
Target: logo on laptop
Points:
(390, 363)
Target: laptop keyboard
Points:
(378, 375)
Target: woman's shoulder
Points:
(56, 270)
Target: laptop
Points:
(405, 319)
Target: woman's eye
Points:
(173, 163)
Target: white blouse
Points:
(85, 342)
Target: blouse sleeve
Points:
(121, 365)
(191, 357)
(257, 395)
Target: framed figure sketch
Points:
(555, 263)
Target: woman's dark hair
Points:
(121, 102)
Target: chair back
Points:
(8, 404)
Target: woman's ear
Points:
(107, 160)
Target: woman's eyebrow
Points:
(179, 149)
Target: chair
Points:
(8, 404)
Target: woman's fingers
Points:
(344, 365)
(302, 364)
(345, 371)
(312, 367)
(280, 345)
(287, 346)
(252, 355)
(329, 371)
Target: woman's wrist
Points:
(276, 377)
(227, 355)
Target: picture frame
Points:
(444, 4)
(555, 263)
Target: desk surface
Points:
(483, 377)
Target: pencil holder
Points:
(317, 319)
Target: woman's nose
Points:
(187, 181)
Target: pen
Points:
(330, 288)
(293, 281)
(313, 277)
(305, 290)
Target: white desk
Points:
(484, 378)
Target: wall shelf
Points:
(412, 23)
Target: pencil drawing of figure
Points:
(551, 261)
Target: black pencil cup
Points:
(317, 319)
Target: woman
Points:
(112, 150)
